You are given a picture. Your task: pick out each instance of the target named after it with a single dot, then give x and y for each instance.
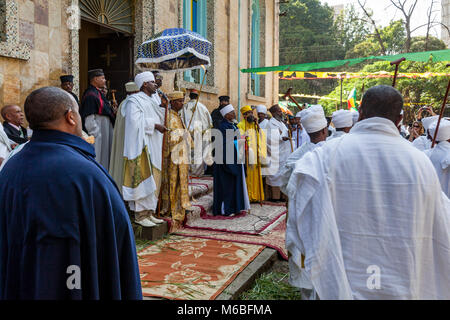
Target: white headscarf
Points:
(443, 132)
(426, 122)
(298, 115)
(143, 77)
(227, 109)
(313, 119)
(342, 119)
(261, 109)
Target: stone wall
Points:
(42, 39)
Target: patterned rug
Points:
(199, 187)
(259, 220)
(192, 268)
(274, 239)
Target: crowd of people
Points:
(359, 192)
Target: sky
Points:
(384, 11)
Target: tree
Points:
(392, 38)
(407, 9)
(307, 35)
(427, 43)
(350, 28)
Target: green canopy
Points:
(437, 56)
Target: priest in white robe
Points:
(299, 134)
(142, 152)
(199, 123)
(315, 125)
(370, 224)
(279, 148)
(262, 116)
(116, 161)
(440, 154)
(343, 122)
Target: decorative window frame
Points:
(210, 85)
(262, 51)
(11, 47)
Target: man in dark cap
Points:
(67, 234)
(215, 115)
(98, 116)
(67, 85)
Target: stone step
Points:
(151, 233)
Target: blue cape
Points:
(228, 179)
(60, 212)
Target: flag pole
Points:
(442, 112)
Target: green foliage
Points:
(419, 44)
(271, 286)
(393, 37)
(350, 29)
(307, 35)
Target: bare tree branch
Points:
(377, 31)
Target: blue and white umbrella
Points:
(174, 50)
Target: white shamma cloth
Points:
(370, 201)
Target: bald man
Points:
(67, 234)
(13, 123)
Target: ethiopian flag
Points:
(351, 101)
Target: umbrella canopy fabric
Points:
(174, 49)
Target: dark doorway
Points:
(107, 49)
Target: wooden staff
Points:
(397, 65)
(442, 112)
(196, 102)
(258, 164)
(288, 95)
(113, 93)
(165, 137)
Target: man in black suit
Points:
(13, 125)
(67, 85)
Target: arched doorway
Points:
(106, 42)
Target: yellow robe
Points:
(254, 156)
(175, 173)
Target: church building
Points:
(40, 40)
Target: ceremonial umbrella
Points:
(174, 49)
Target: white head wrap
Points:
(443, 132)
(143, 77)
(298, 115)
(355, 115)
(261, 109)
(226, 110)
(131, 87)
(342, 119)
(313, 119)
(426, 122)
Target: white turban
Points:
(355, 115)
(226, 110)
(146, 76)
(313, 119)
(261, 109)
(443, 132)
(342, 119)
(131, 87)
(426, 122)
(298, 115)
